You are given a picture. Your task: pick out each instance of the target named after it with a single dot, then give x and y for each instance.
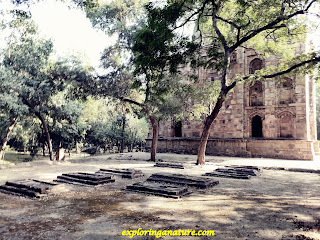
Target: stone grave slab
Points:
(237, 172)
(255, 168)
(124, 173)
(192, 181)
(169, 165)
(159, 189)
(85, 178)
(27, 187)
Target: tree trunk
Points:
(77, 148)
(47, 135)
(43, 144)
(205, 131)
(43, 149)
(155, 133)
(13, 120)
(122, 132)
(44, 125)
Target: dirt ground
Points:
(275, 205)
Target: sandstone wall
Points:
(282, 149)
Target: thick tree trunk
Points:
(47, 135)
(6, 137)
(155, 133)
(205, 132)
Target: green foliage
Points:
(104, 119)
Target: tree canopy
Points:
(223, 26)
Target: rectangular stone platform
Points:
(159, 189)
(192, 181)
(168, 165)
(255, 168)
(27, 187)
(85, 178)
(124, 173)
(238, 172)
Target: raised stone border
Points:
(27, 188)
(159, 189)
(180, 179)
(238, 172)
(124, 173)
(168, 165)
(85, 178)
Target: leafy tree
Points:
(148, 87)
(32, 78)
(104, 119)
(67, 128)
(226, 25)
(11, 107)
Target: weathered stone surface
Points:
(169, 165)
(180, 179)
(238, 172)
(27, 187)
(124, 173)
(266, 114)
(268, 148)
(163, 190)
(85, 178)
(227, 175)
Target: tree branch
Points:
(290, 69)
(313, 60)
(193, 14)
(270, 25)
(130, 101)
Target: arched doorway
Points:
(178, 129)
(257, 127)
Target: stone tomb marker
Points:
(159, 189)
(169, 165)
(124, 173)
(238, 172)
(85, 178)
(180, 179)
(27, 187)
(171, 185)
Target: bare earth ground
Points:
(275, 205)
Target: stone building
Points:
(272, 118)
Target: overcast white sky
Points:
(69, 29)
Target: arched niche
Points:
(286, 91)
(286, 125)
(255, 64)
(256, 94)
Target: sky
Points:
(72, 32)
(68, 28)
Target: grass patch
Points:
(17, 157)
